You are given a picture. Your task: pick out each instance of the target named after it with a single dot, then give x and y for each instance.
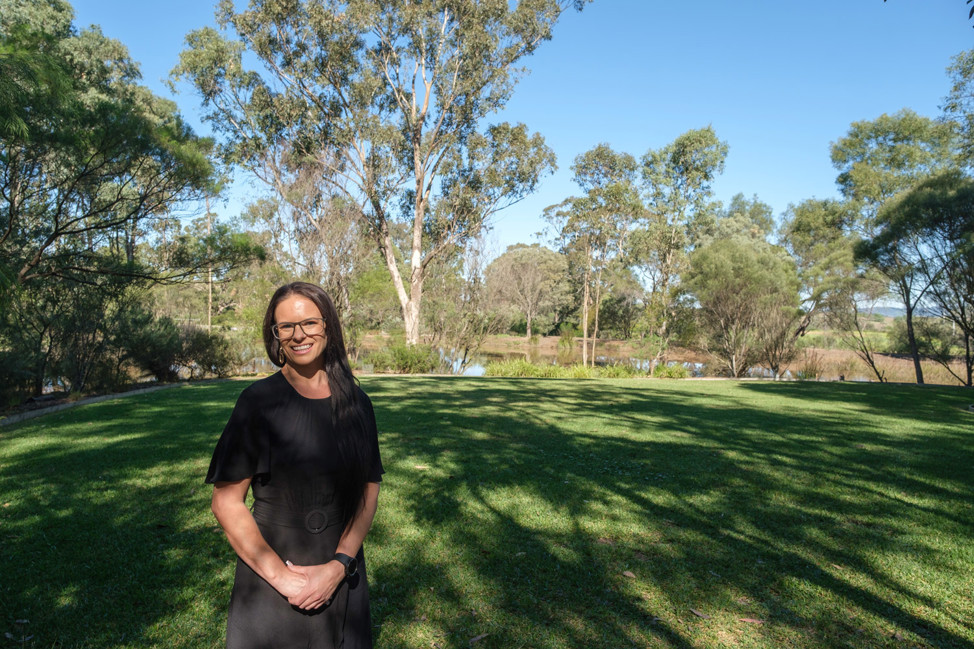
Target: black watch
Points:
(350, 563)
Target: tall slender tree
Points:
(390, 99)
(676, 181)
(876, 160)
(594, 229)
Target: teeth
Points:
(301, 348)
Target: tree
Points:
(90, 159)
(877, 160)
(532, 279)
(740, 284)
(390, 99)
(750, 218)
(594, 229)
(464, 310)
(817, 234)
(930, 229)
(677, 190)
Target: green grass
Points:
(542, 513)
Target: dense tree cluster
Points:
(368, 126)
(90, 164)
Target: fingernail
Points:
(288, 563)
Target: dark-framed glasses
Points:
(310, 327)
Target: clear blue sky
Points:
(778, 80)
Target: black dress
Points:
(284, 441)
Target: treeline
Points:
(366, 128)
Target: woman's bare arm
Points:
(241, 529)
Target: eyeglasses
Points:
(310, 327)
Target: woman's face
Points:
(300, 347)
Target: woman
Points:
(304, 439)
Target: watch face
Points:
(351, 567)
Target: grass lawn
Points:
(530, 513)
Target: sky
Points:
(777, 80)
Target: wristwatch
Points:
(350, 563)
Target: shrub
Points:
(566, 335)
(672, 371)
(618, 371)
(517, 367)
(205, 352)
(811, 366)
(401, 358)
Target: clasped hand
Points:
(312, 586)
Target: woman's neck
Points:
(308, 381)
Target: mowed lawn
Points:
(530, 513)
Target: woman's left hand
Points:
(323, 581)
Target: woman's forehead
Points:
(295, 307)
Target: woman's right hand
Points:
(289, 583)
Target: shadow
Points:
(530, 513)
(105, 529)
(781, 502)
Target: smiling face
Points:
(301, 349)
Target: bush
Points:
(566, 335)
(206, 353)
(16, 379)
(673, 371)
(619, 371)
(520, 368)
(512, 368)
(811, 366)
(401, 358)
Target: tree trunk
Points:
(967, 360)
(598, 304)
(585, 293)
(529, 326)
(914, 348)
(209, 269)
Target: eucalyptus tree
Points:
(876, 160)
(594, 229)
(676, 182)
(390, 101)
(532, 279)
(930, 230)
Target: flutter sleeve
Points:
(238, 452)
(376, 470)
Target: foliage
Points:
(743, 287)
(677, 186)
(670, 371)
(878, 159)
(385, 104)
(532, 280)
(522, 368)
(818, 235)
(94, 158)
(462, 309)
(400, 358)
(593, 229)
(928, 232)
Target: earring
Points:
(280, 354)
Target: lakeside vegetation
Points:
(529, 512)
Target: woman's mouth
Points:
(300, 349)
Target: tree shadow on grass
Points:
(749, 500)
(779, 514)
(106, 535)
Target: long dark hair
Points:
(349, 423)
